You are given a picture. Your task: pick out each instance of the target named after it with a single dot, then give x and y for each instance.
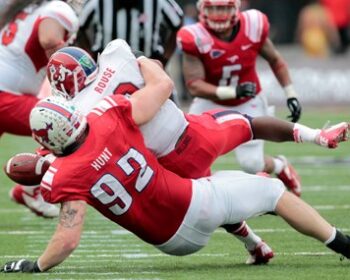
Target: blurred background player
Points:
(26, 43)
(316, 31)
(339, 11)
(219, 65)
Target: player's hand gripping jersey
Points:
(228, 63)
(119, 73)
(186, 145)
(151, 202)
(22, 59)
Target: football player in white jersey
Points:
(26, 43)
(175, 138)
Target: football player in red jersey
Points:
(102, 161)
(26, 43)
(219, 65)
(188, 146)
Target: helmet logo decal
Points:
(215, 53)
(60, 74)
(85, 61)
(43, 133)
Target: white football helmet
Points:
(56, 124)
(218, 15)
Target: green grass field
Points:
(108, 252)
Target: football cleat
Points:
(33, 200)
(330, 137)
(290, 177)
(260, 255)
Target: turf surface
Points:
(108, 252)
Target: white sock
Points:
(279, 165)
(304, 134)
(246, 235)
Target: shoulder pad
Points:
(256, 26)
(195, 37)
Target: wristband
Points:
(302, 133)
(141, 57)
(289, 91)
(36, 267)
(224, 93)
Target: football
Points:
(26, 168)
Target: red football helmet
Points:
(69, 70)
(218, 15)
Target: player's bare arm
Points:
(51, 36)
(194, 74)
(62, 244)
(276, 62)
(67, 235)
(280, 70)
(158, 88)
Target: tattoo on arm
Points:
(70, 215)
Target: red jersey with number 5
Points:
(22, 59)
(228, 63)
(115, 173)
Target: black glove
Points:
(295, 109)
(138, 53)
(246, 89)
(20, 266)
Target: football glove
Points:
(246, 89)
(295, 109)
(22, 265)
(332, 136)
(138, 53)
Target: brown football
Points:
(26, 168)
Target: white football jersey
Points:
(119, 73)
(22, 59)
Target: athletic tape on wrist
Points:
(224, 93)
(289, 91)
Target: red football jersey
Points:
(228, 63)
(115, 173)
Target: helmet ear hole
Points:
(69, 70)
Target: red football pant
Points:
(203, 141)
(14, 113)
